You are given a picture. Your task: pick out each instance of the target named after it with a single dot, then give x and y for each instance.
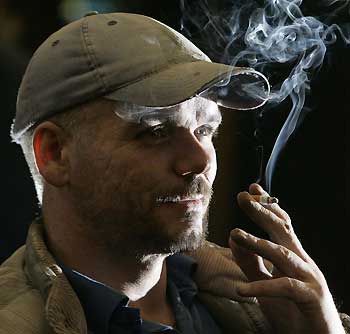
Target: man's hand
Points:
(291, 289)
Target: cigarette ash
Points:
(273, 38)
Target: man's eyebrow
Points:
(203, 115)
(129, 129)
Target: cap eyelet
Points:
(112, 23)
(55, 42)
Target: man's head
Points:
(146, 183)
(115, 114)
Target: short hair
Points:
(71, 120)
(74, 121)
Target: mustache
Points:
(192, 187)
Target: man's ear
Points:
(50, 144)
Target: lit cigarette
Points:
(263, 199)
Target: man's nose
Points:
(192, 156)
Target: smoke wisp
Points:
(273, 37)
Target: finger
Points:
(280, 230)
(274, 225)
(251, 264)
(285, 260)
(255, 210)
(284, 287)
(256, 189)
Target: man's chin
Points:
(158, 235)
(190, 239)
(193, 234)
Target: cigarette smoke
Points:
(275, 37)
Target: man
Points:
(116, 115)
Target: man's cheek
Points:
(135, 186)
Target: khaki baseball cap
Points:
(131, 58)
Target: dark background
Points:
(310, 180)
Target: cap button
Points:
(93, 12)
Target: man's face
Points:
(144, 188)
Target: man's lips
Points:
(182, 203)
(197, 199)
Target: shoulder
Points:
(21, 305)
(217, 277)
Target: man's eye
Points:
(205, 131)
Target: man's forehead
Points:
(204, 109)
(195, 110)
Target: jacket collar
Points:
(62, 307)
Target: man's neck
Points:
(142, 279)
(134, 277)
(154, 306)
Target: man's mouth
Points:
(196, 199)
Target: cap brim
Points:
(232, 87)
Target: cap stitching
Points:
(148, 74)
(93, 63)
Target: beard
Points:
(189, 240)
(131, 226)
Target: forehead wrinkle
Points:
(186, 114)
(198, 110)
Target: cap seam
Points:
(92, 63)
(148, 74)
